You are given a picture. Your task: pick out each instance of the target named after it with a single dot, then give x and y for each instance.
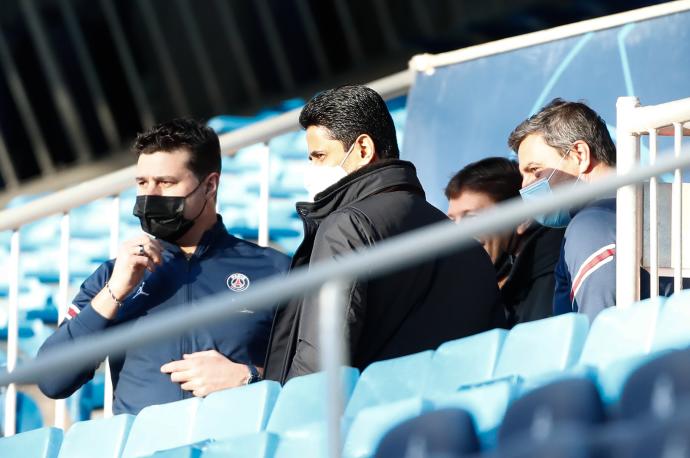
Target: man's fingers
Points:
(181, 377)
(175, 366)
(188, 386)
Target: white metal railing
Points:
(262, 132)
(633, 122)
(329, 277)
(111, 185)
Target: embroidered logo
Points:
(238, 282)
(140, 291)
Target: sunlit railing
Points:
(635, 121)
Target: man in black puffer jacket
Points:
(362, 195)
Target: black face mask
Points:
(163, 216)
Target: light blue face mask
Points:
(540, 189)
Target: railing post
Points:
(653, 221)
(677, 213)
(12, 335)
(114, 244)
(628, 205)
(331, 340)
(63, 302)
(264, 193)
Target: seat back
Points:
(673, 326)
(372, 423)
(446, 432)
(161, 427)
(543, 346)
(619, 333)
(301, 401)
(234, 412)
(390, 380)
(538, 413)
(256, 445)
(657, 387)
(464, 361)
(107, 435)
(39, 443)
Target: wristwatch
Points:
(254, 375)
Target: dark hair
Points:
(200, 140)
(562, 123)
(497, 177)
(350, 111)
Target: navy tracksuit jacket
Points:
(220, 263)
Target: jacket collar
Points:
(360, 184)
(208, 239)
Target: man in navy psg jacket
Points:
(191, 257)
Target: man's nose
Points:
(152, 189)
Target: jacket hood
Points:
(360, 184)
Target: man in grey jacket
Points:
(362, 195)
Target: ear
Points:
(365, 150)
(212, 184)
(583, 155)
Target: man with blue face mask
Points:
(563, 145)
(361, 193)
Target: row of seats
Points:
(482, 374)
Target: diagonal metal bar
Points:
(26, 112)
(133, 80)
(236, 44)
(312, 32)
(103, 112)
(275, 44)
(7, 170)
(168, 70)
(61, 95)
(213, 90)
(390, 255)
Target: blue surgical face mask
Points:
(542, 188)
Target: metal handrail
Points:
(389, 255)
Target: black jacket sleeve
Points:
(81, 321)
(341, 232)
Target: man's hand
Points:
(204, 372)
(133, 259)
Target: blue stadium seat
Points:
(39, 443)
(301, 401)
(487, 403)
(162, 427)
(28, 414)
(107, 435)
(541, 411)
(371, 423)
(619, 333)
(258, 445)
(657, 387)
(673, 326)
(308, 442)
(446, 433)
(543, 346)
(458, 362)
(186, 451)
(390, 380)
(235, 412)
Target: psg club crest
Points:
(238, 282)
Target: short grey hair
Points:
(562, 123)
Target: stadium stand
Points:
(554, 387)
(265, 420)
